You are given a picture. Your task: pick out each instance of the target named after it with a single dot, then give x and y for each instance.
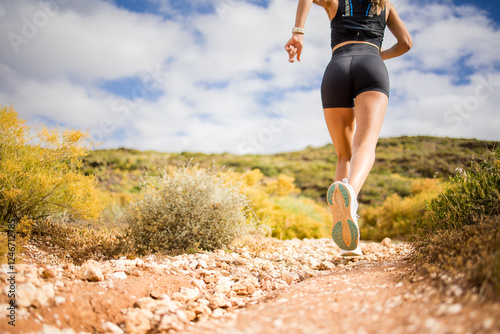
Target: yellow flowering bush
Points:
(40, 174)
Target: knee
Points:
(344, 156)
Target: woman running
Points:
(355, 94)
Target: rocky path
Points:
(366, 298)
(261, 286)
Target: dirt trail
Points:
(368, 298)
(359, 296)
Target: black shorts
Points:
(353, 69)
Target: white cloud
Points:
(214, 71)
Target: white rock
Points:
(219, 300)
(193, 264)
(198, 283)
(146, 303)
(386, 242)
(59, 300)
(49, 272)
(488, 323)
(138, 321)
(119, 275)
(25, 294)
(202, 263)
(325, 265)
(180, 297)
(290, 278)
(217, 313)
(223, 285)
(44, 295)
(112, 328)
(170, 322)
(94, 274)
(244, 287)
(191, 294)
(237, 301)
(454, 309)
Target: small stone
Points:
(59, 300)
(191, 294)
(202, 264)
(217, 313)
(244, 287)
(219, 300)
(257, 294)
(456, 290)
(237, 301)
(49, 273)
(25, 294)
(325, 265)
(170, 322)
(181, 315)
(198, 283)
(155, 294)
(94, 274)
(181, 298)
(303, 275)
(190, 315)
(386, 242)
(488, 323)
(112, 328)
(223, 285)
(137, 321)
(290, 278)
(119, 275)
(193, 264)
(201, 309)
(454, 309)
(145, 303)
(59, 285)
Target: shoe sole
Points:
(345, 231)
(351, 254)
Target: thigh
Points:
(370, 108)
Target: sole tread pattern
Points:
(345, 232)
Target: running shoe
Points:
(343, 205)
(356, 252)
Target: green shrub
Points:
(298, 217)
(40, 174)
(187, 209)
(470, 255)
(395, 216)
(473, 194)
(461, 235)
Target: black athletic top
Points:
(357, 20)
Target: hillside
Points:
(399, 161)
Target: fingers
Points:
(292, 52)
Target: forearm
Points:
(396, 50)
(399, 30)
(302, 11)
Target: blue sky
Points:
(212, 75)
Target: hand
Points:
(294, 47)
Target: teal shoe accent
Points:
(345, 194)
(339, 240)
(329, 195)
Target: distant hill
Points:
(399, 161)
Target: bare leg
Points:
(356, 149)
(341, 124)
(369, 111)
